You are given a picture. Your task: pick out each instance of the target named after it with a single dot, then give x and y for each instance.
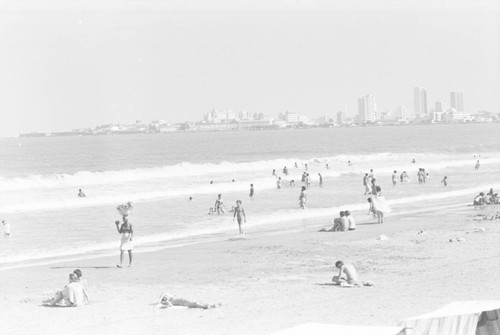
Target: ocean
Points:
(40, 178)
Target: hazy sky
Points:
(66, 64)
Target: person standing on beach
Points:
(278, 183)
(327, 167)
(366, 184)
(239, 214)
(320, 180)
(303, 198)
(395, 178)
(126, 242)
(274, 173)
(285, 171)
(252, 192)
(445, 181)
(305, 165)
(476, 167)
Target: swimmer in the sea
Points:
(445, 181)
(303, 198)
(219, 205)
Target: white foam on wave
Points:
(224, 225)
(337, 163)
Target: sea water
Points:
(40, 178)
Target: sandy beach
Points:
(272, 279)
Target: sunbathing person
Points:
(71, 296)
(347, 274)
(167, 301)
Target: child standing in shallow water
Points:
(239, 213)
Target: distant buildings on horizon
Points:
(368, 114)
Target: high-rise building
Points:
(438, 107)
(420, 101)
(366, 109)
(457, 101)
(402, 113)
(340, 117)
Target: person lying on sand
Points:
(166, 301)
(71, 296)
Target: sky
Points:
(68, 64)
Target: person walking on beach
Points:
(476, 167)
(219, 205)
(239, 214)
(252, 192)
(320, 180)
(274, 173)
(303, 198)
(445, 181)
(395, 178)
(126, 242)
(278, 183)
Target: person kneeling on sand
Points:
(71, 296)
(347, 274)
(166, 301)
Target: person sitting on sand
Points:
(494, 199)
(292, 182)
(351, 223)
(82, 281)
(81, 194)
(347, 274)
(480, 200)
(166, 301)
(71, 296)
(339, 224)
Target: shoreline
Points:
(270, 276)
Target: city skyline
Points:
(366, 112)
(67, 65)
